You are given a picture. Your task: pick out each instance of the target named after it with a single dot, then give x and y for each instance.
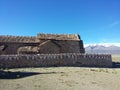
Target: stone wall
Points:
(54, 46)
(12, 48)
(47, 60)
(70, 46)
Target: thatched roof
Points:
(17, 39)
(58, 36)
(40, 36)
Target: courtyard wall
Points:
(47, 60)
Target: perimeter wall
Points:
(47, 60)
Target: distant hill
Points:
(103, 49)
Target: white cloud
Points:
(110, 25)
(114, 24)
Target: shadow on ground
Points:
(17, 75)
(115, 64)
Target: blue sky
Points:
(97, 21)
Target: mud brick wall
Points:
(47, 60)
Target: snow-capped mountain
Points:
(103, 48)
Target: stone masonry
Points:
(47, 60)
(46, 50)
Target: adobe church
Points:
(41, 44)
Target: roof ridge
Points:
(58, 36)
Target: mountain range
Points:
(102, 49)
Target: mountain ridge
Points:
(102, 49)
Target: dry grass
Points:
(63, 78)
(116, 58)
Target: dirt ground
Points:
(61, 78)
